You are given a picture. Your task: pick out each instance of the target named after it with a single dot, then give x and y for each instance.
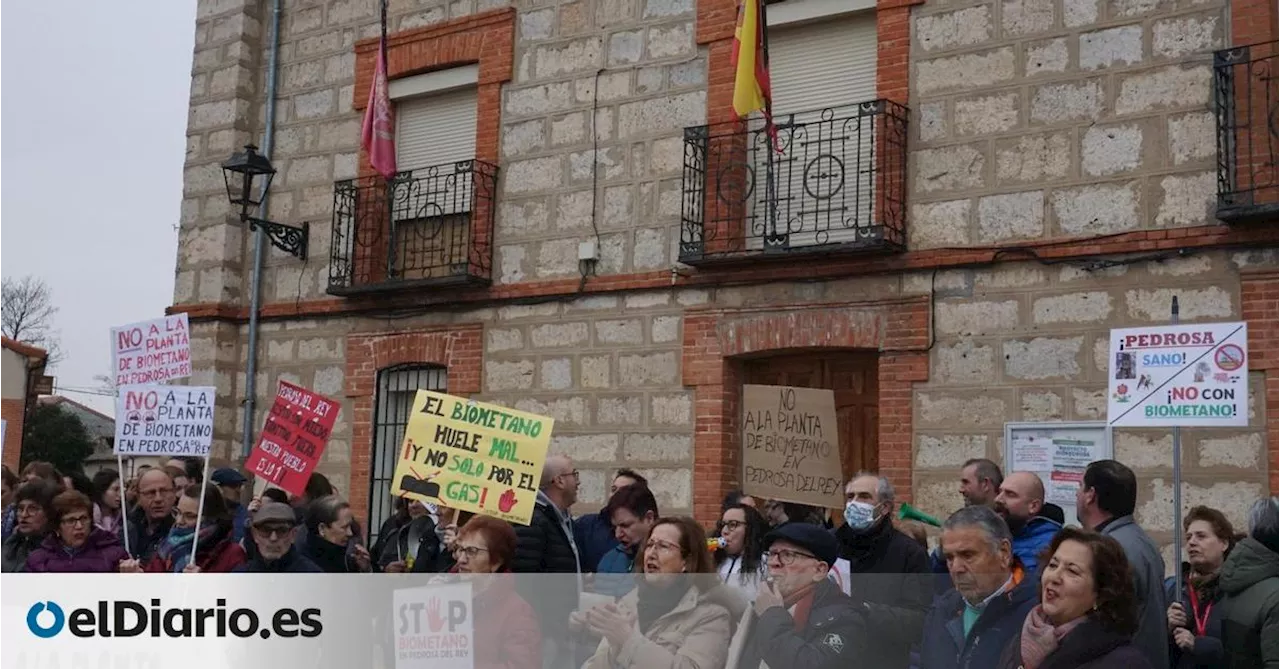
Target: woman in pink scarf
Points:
(1087, 613)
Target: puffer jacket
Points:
(694, 634)
(17, 548)
(834, 636)
(1033, 539)
(1249, 583)
(545, 546)
(101, 553)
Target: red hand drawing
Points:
(435, 621)
(507, 501)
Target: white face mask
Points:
(859, 515)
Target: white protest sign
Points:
(164, 420)
(152, 351)
(1179, 376)
(434, 627)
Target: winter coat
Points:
(834, 636)
(1249, 585)
(889, 578)
(430, 556)
(1089, 646)
(694, 634)
(330, 557)
(239, 522)
(1033, 539)
(730, 572)
(506, 629)
(142, 544)
(1148, 576)
(17, 548)
(594, 535)
(545, 546)
(615, 574)
(945, 645)
(292, 562)
(101, 553)
(223, 557)
(1207, 653)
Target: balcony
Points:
(837, 185)
(429, 227)
(1244, 94)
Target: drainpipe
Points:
(259, 242)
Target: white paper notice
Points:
(1074, 453)
(153, 351)
(1032, 454)
(164, 420)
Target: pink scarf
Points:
(1040, 638)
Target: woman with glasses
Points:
(33, 507)
(216, 552)
(506, 629)
(74, 545)
(678, 615)
(740, 558)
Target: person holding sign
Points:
(1198, 642)
(152, 519)
(415, 546)
(216, 552)
(75, 545)
(506, 629)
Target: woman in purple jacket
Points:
(75, 545)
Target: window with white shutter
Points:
(435, 129)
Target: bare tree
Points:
(27, 312)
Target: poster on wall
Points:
(1058, 453)
(791, 445)
(1179, 376)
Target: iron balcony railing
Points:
(835, 182)
(1244, 92)
(430, 226)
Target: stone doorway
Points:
(853, 375)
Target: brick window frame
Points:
(459, 349)
(715, 338)
(486, 39)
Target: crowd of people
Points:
(773, 584)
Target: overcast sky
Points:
(94, 113)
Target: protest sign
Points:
(153, 351)
(791, 445)
(1179, 376)
(434, 627)
(294, 435)
(472, 456)
(164, 420)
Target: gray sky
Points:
(94, 117)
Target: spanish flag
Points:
(751, 91)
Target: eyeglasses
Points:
(273, 531)
(29, 509)
(787, 557)
(732, 525)
(188, 516)
(658, 546)
(154, 492)
(572, 474)
(76, 521)
(470, 551)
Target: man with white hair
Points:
(1249, 581)
(888, 572)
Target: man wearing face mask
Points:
(888, 572)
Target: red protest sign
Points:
(294, 436)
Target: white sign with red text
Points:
(166, 421)
(434, 627)
(1179, 376)
(155, 351)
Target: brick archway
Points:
(457, 348)
(713, 338)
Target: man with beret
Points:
(801, 619)
(273, 529)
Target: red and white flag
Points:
(379, 135)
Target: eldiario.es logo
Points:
(123, 618)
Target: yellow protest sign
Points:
(472, 456)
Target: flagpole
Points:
(771, 185)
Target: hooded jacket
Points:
(694, 634)
(833, 637)
(100, 553)
(1089, 646)
(17, 547)
(889, 580)
(1148, 576)
(1249, 586)
(947, 647)
(506, 629)
(1034, 537)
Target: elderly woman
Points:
(216, 551)
(678, 616)
(1249, 584)
(74, 545)
(506, 628)
(1197, 641)
(33, 507)
(1087, 613)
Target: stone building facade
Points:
(1057, 179)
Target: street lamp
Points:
(248, 175)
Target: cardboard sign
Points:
(434, 627)
(151, 351)
(164, 420)
(293, 437)
(791, 445)
(1179, 376)
(472, 456)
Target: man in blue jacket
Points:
(970, 625)
(593, 532)
(1020, 503)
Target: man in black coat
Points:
(888, 572)
(546, 546)
(800, 619)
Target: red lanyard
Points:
(1201, 621)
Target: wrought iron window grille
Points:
(1244, 94)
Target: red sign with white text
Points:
(294, 436)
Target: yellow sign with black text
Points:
(472, 456)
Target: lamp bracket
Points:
(288, 238)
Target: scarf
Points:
(653, 602)
(175, 549)
(802, 601)
(1040, 637)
